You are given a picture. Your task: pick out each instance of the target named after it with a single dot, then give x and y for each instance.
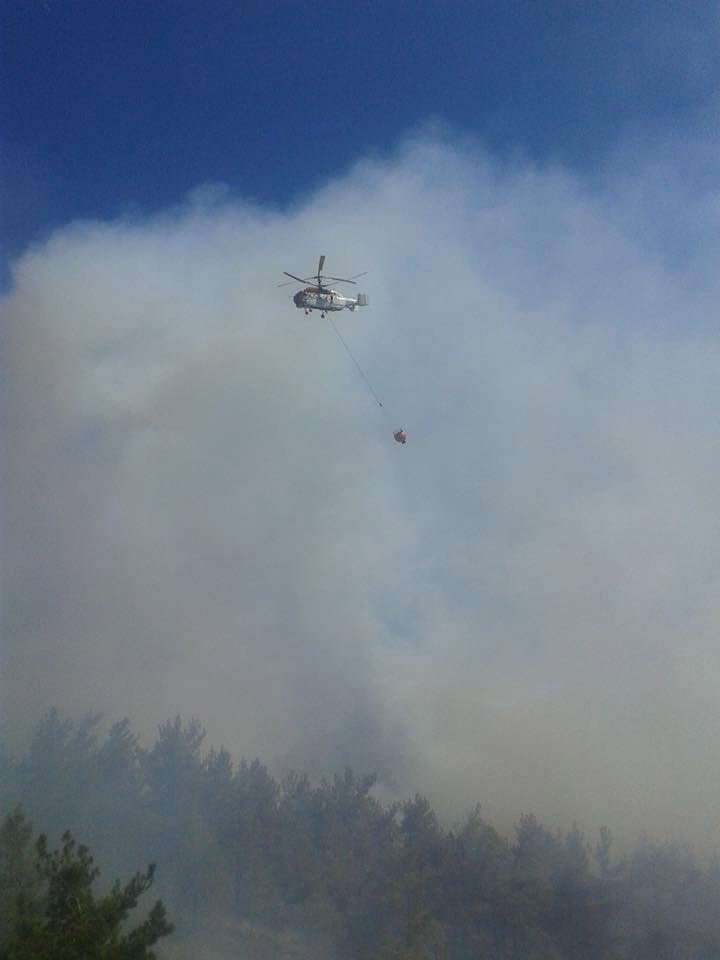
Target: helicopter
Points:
(319, 296)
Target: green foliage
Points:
(19, 879)
(51, 912)
(323, 863)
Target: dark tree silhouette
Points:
(50, 910)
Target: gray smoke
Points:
(205, 512)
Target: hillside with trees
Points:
(300, 869)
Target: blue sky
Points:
(117, 105)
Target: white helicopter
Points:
(319, 296)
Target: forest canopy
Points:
(296, 868)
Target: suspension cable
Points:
(352, 357)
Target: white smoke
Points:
(206, 512)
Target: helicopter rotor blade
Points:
(319, 279)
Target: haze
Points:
(207, 514)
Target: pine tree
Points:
(56, 915)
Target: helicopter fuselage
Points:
(313, 298)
